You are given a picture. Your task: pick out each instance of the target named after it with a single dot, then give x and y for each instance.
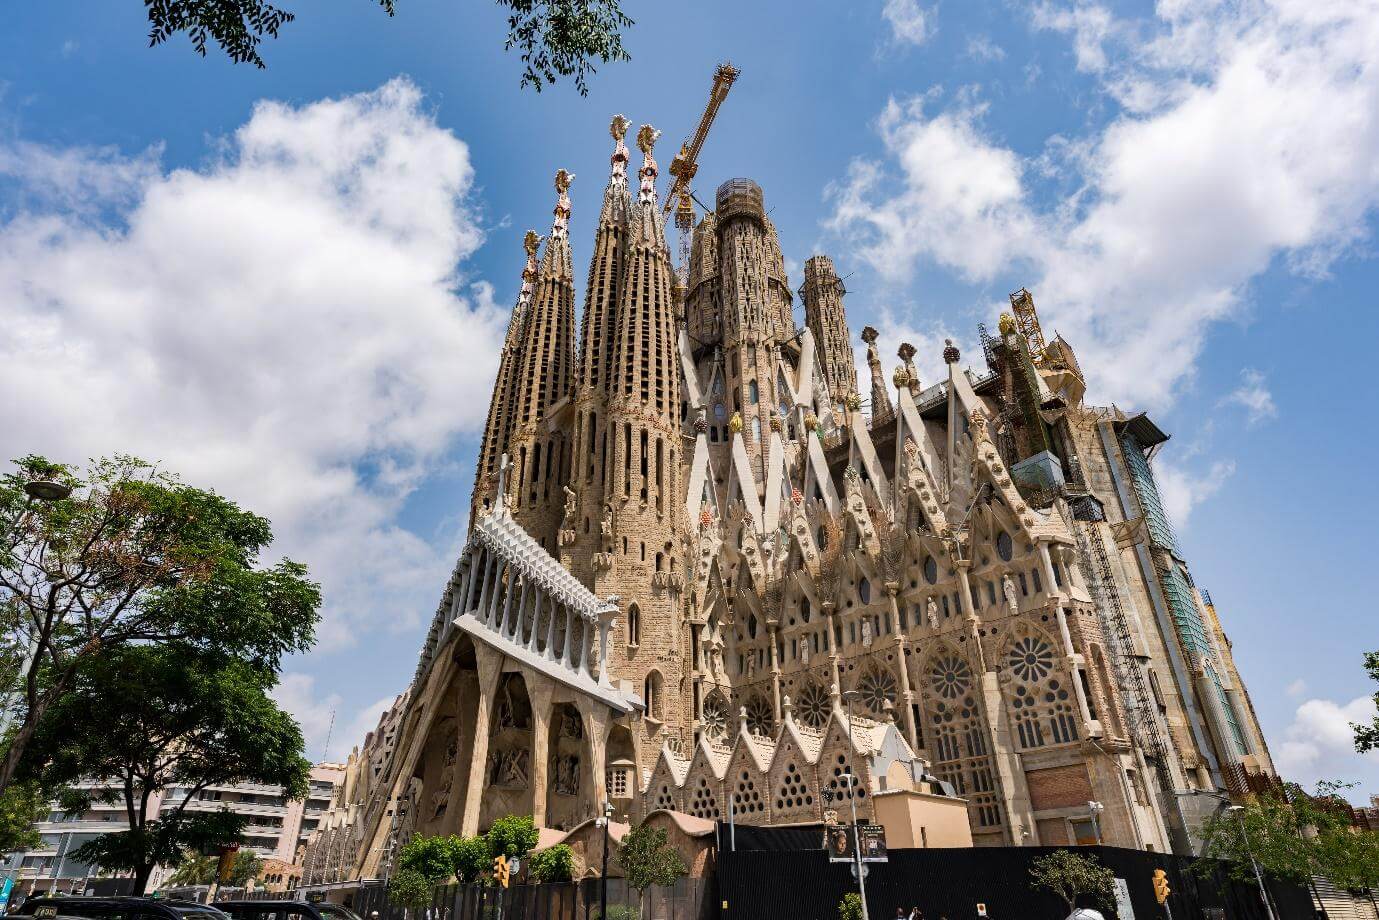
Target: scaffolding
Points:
(1027, 321)
(1129, 671)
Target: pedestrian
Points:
(900, 913)
(916, 913)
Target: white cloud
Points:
(317, 716)
(1183, 490)
(910, 22)
(982, 48)
(1254, 396)
(1296, 688)
(1090, 24)
(287, 325)
(1320, 743)
(1246, 136)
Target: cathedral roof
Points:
(500, 532)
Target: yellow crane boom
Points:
(686, 162)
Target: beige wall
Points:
(921, 819)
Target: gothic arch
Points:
(1039, 691)
(956, 734)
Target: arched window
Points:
(957, 738)
(634, 625)
(753, 392)
(864, 591)
(651, 695)
(1040, 698)
(1005, 547)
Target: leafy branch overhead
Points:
(556, 38)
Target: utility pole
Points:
(606, 820)
(848, 698)
(1239, 811)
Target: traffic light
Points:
(500, 869)
(1161, 889)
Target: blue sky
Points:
(288, 284)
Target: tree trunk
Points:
(10, 765)
(141, 875)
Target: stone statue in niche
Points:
(606, 527)
(508, 768)
(1012, 598)
(508, 714)
(866, 634)
(931, 613)
(570, 725)
(566, 774)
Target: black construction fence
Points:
(785, 873)
(688, 899)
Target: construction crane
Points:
(686, 162)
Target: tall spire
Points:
(539, 450)
(880, 397)
(826, 318)
(502, 408)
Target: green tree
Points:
(409, 888)
(647, 859)
(21, 806)
(431, 857)
(203, 868)
(471, 858)
(1071, 876)
(146, 718)
(512, 836)
(850, 907)
(553, 864)
(1367, 736)
(134, 556)
(556, 38)
(1294, 835)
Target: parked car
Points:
(285, 910)
(56, 908)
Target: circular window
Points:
(930, 570)
(1005, 547)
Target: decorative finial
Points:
(853, 402)
(950, 352)
(560, 227)
(906, 352)
(1007, 323)
(619, 127)
(646, 139)
(530, 242)
(735, 423)
(870, 335)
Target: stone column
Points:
(775, 674)
(829, 614)
(540, 690)
(907, 696)
(490, 665)
(1046, 563)
(597, 724)
(1074, 661)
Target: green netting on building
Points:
(1236, 734)
(1192, 632)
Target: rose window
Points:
(715, 718)
(1031, 659)
(760, 718)
(951, 677)
(813, 706)
(877, 689)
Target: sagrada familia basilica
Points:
(710, 571)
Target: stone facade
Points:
(705, 576)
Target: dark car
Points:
(116, 909)
(285, 910)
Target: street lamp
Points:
(47, 490)
(849, 698)
(606, 820)
(1239, 812)
(1094, 809)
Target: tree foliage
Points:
(512, 836)
(850, 907)
(1073, 877)
(21, 806)
(1295, 835)
(145, 718)
(556, 38)
(472, 857)
(1367, 736)
(135, 556)
(647, 859)
(553, 864)
(410, 888)
(204, 868)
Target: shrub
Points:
(409, 888)
(513, 836)
(554, 864)
(850, 908)
(470, 858)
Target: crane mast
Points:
(686, 162)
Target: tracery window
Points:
(958, 740)
(704, 804)
(813, 706)
(715, 715)
(794, 793)
(760, 717)
(1040, 698)
(877, 687)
